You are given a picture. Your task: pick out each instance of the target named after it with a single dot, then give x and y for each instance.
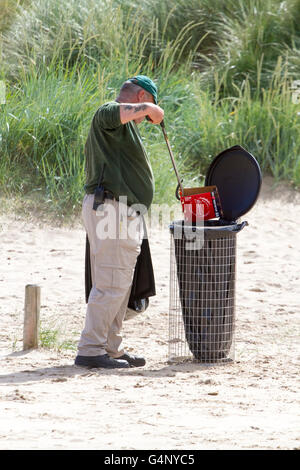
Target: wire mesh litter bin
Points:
(202, 291)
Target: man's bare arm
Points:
(132, 111)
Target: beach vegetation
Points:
(226, 72)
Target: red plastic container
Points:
(201, 204)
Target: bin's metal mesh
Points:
(202, 300)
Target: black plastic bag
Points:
(206, 281)
(143, 284)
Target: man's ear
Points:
(141, 96)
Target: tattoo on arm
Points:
(135, 109)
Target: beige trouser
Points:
(115, 234)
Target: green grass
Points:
(265, 123)
(8, 10)
(52, 338)
(224, 71)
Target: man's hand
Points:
(156, 114)
(138, 111)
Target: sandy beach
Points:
(253, 403)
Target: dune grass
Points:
(224, 72)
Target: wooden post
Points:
(31, 316)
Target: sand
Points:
(253, 403)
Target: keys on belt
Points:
(100, 195)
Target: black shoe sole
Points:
(99, 362)
(133, 361)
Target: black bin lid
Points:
(237, 176)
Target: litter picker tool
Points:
(162, 125)
(197, 203)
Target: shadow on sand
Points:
(64, 372)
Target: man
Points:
(119, 179)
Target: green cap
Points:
(147, 84)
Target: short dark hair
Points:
(130, 88)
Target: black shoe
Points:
(134, 361)
(105, 362)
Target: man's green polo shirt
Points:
(127, 170)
